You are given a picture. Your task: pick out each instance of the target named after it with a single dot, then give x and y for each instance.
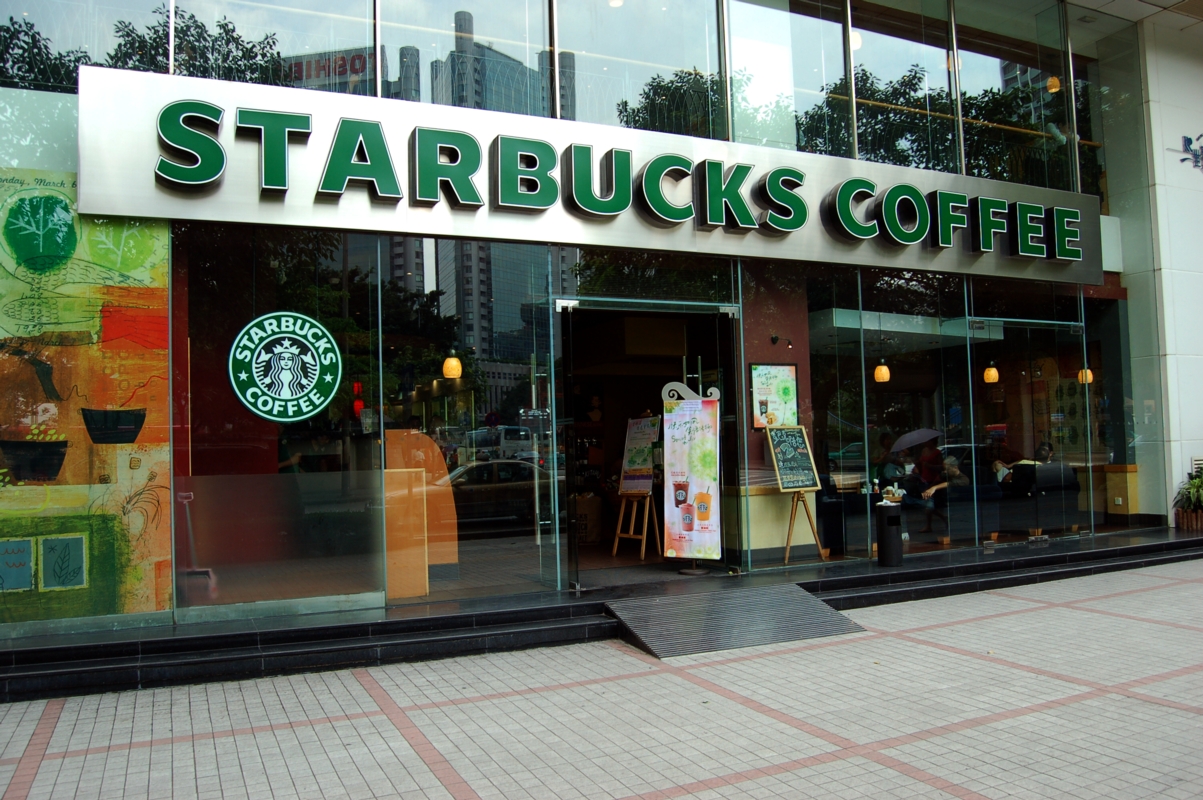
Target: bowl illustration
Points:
(33, 462)
(116, 426)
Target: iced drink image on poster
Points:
(692, 522)
(775, 390)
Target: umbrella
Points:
(913, 438)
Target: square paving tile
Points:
(622, 738)
(854, 777)
(880, 688)
(17, 723)
(1181, 603)
(496, 673)
(938, 611)
(1105, 748)
(1078, 644)
(1067, 591)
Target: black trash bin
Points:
(889, 535)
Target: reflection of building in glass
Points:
(497, 289)
(407, 262)
(1025, 79)
(475, 75)
(501, 380)
(347, 71)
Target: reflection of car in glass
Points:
(850, 458)
(499, 489)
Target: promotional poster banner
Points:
(775, 395)
(636, 475)
(691, 514)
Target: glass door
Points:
(616, 357)
(1032, 419)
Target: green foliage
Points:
(40, 232)
(28, 62)
(223, 54)
(6, 480)
(690, 103)
(639, 273)
(1190, 493)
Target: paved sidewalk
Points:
(1091, 687)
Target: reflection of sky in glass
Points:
(618, 50)
(515, 29)
(300, 26)
(889, 58)
(979, 73)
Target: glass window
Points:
(1122, 315)
(917, 403)
(307, 493)
(470, 413)
(803, 106)
(807, 317)
(470, 53)
(302, 43)
(647, 64)
(1015, 92)
(904, 108)
(46, 42)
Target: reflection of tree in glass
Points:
(28, 61)
(626, 273)
(689, 103)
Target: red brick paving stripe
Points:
(209, 736)
(924, 776)
(452, 781)
(35, 749)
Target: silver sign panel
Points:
(120, 146)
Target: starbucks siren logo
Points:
(285, 367)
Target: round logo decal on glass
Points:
(285, 366)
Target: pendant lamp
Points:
(991, 374)
(881, 373)
(1085, 376)
(452, 367)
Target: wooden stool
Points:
(636, 499)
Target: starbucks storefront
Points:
(387, 354)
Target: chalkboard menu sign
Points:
(792, 459)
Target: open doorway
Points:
(616, 364)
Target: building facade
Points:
(306, 311)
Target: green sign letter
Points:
(651, 188)
(720, 201)
(274, 128)
(948, 219)
(522, 178)
(615, 195)
(776, 190)
(446, 161)
(359, 152)
(1064, 237)
(1027, 222)
(986, 222)
(195, 145)
(845, 195)
(891, 216)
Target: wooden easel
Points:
(800, 500)
(636, 499)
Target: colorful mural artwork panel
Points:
(84, 411)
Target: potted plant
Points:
(1188, 504)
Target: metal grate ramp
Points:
(680, 625)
